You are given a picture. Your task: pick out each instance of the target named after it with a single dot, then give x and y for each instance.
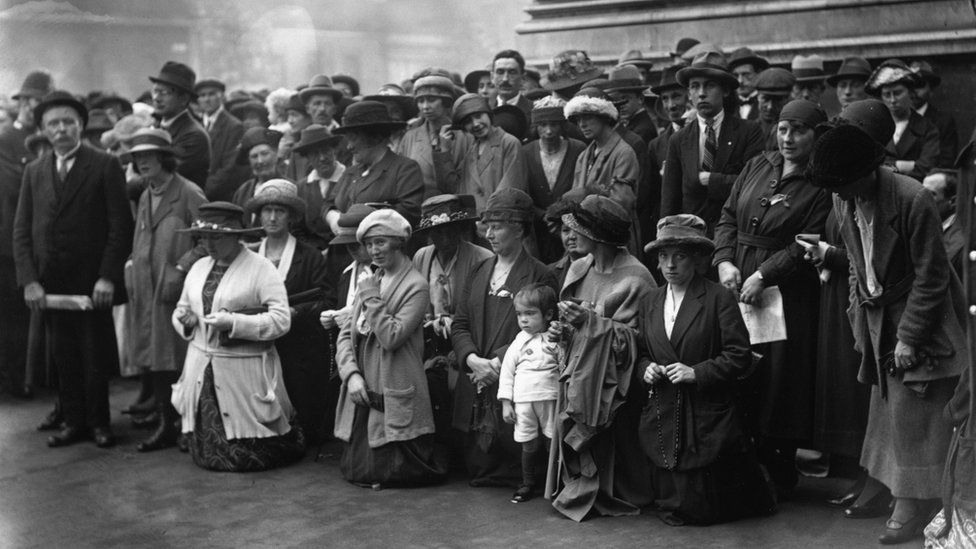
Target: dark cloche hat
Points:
(508, 205)
(257, 136)
(512, 120)
(601, 219)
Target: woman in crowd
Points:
(608, 166)
(259, 149)
(233, 306)
(161, 257)
(434, 95)
(596, 465)
(378, 174)
(304, 350)
(384, 414)
(484, 326)
(565, 235)
(770, 203)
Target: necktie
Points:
(63, 167)
(711, 147)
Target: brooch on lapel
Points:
(777, 198)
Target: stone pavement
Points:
(82, 496)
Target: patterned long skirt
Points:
(212, 450)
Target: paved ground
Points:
(82, 496)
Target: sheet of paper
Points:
(68, 302)
(765, 323)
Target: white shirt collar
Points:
(922, 110)
(948, 222)
(513, 101)
(716, 121)
(70, 155)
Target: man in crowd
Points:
(943, 121)
(14, 156)
(507, 70)
(943, 186)
(225, 133)
(172, 91)
(72, 234)
(321, 100)
(318, 147)
(705, 157)
(810, 76)
(746, 66)
(626, 89)
(850, 79)
(773, 87)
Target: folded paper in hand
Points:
(61, 302)
(766, 322)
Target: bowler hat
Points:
(601, 219)
(511, 119)
(37, 84)
(856, 68)
(177, 75)
(368, 115)
(570, 68)
(318, 85)
(393, 96)
(447, 209)
(924, 69)
(508, 205)
(635, 58)
(698, 49)
(625, 78)
(669, 80)
(889, 73)
(257, 136)
(683, 45)
(347, 80)
(711, 65)
(60, 98)
(315, 136)
(775, 81)
(843, 155)
(152, 139)
(220, 218)
(467, 105)
(385, 222)
(873, 117)
(808, 69)
(472, 79)
(682, 231)
(98, 122)
(279, 192)
(348, 222)
(209, 83)
(745, 56)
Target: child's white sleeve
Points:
(506, 378)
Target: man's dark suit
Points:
(225, 135)
(643, 126)
(192, 146)
(66, 237)
(681, 192)
(948, 135)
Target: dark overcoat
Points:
(225, 136)
(920, 143)
(192, 145)
(393, 179)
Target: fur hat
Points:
(601, 219)
(385, 222)
(594, 106)
(683, 231)
(889, 73)
(843, 155)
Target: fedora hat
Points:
(808, 69)
(254, 137)
(394, 97)
(635, 58)
(512, 120)
(152, 139)
(467, 105)
(508, 205)
(280, 192)
(320, 84)
(220, 218)
(570, 68)
(313, 136)
(60, 98)
(745, 56)
(241, 109)
(209, 83)
(177, 75)
(472, 78)
(683, 45)
(601, 219)
(110, 100)
(699, 48)
(347, 80)
(711, 65)
(37, 84)
(348, 222)
(924, 69)
(856, 68)
(625, 78)
(447, 209)
(775, 81)
(368, 115)
(669, 80)
(683, 231)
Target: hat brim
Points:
(700, 243)
(406, 103)
(421, 227)
(640, 63)
(249, 231)
(570, 221)
(343, 239)
(294, 203)
(146, 147)
(390, 126)
(309, 92)
(60, 102)
(563, 83)
(811, 79)
(758, 63)
(177, 85)
(723, 77)
(834, 79)
(625, 89)
(658, 90)
(332, 141)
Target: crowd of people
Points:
(532, 282)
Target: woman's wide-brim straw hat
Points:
(224, 218)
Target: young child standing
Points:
(529, 378)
